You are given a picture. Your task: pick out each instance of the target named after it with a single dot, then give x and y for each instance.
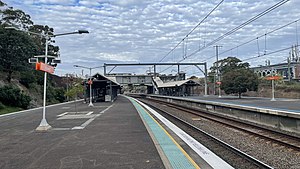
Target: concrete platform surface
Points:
(291, 105)
(112, 136)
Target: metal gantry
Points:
(114, 65)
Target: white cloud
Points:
(61, 2)
(144, 31)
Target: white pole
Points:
(91, 103)
(273, 91)
(219, 86)
(44, 124)
(218, 74)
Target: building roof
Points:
(160, 84)
(112, 79)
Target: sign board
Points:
(107, 98)
(273, 78)
(43, 56)
(44, 67)
(90, 82)
(218, 83)
(32, 60)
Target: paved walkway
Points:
(115, 138)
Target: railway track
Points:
(234, 156)
(289, 141)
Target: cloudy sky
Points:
(131, 31)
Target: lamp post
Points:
(90, 68)
(44, 126)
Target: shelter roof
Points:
(99, 76)
(161, 84)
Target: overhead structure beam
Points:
(150, 64)
(162, 64)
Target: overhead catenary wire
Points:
(256, 39)
(192, 30)
(277, 51)
(268, 10)
(263, 35)
(242, 25)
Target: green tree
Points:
(15, 49)
(27, 78)
(13, 96)
(2, 3)
(41, 42)
(15, 17)
(17, 46)
(238, 81)
(228, 64)
(74, 92)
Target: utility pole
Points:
(289, 67)
(217, 71)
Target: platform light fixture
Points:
(44, 126)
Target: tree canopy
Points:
(236, 77)
(229, 64)
(17, 46)
(15, 49)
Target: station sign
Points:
(273, 78)
(44, 67)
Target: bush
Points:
(13, 96)
(55, 95)
(2, 106)
(27, 78)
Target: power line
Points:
(237, 28)
(255, 39)
(242, 25)
(247, 42)
(192, 30)
(277, 51)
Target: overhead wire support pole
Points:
(217, 69)
(205, 78)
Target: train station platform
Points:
(280, 104)
(122, 134)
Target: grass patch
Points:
(289, 88)
(8, 109)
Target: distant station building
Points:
(290, 71)
(103, 88)
(174, 88)
(143, 83)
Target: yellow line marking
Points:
(180, 148)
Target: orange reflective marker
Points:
(44, 67)
(273, 77)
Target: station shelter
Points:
(103, 88)
(175, 88)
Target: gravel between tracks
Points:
(271, 154)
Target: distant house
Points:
(281, 69)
